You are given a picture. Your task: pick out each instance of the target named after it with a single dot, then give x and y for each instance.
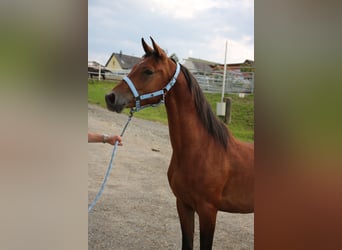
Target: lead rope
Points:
(110, 165)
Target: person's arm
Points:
(111, 139)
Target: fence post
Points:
(227, 117)
(99, 72)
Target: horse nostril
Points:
(110, 98)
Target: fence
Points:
(107, 75)
(237, 81)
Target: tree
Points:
(174, 57)
(247, 66)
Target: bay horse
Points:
(210, 170)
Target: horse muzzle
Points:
(115, 102)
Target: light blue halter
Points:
(161, 92)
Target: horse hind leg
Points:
(207, 219)
(187, 220)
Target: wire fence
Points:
(237, 81)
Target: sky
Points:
(188, 28)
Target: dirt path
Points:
(137, 209)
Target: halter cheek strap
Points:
(161, 92)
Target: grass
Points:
(242, 113)
(98, 89)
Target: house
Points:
(244, 69)
(199, 65)
(94, 64)
(94, 68)
(119, 61)
(235, 66)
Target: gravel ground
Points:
(137, 209)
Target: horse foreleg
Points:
(207, 219)
(186, 216)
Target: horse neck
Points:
(184, 124)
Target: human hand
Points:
(113, 138)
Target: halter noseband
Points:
(161, 92)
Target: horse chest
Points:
(186, 183)
(182, 188)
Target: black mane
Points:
(215, 127)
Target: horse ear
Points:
(159, 52)
(148, 50)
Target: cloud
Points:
(187, 28)
(186, 9)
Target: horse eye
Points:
(148, 72)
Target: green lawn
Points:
(242, 114)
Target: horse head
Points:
(145, 84)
